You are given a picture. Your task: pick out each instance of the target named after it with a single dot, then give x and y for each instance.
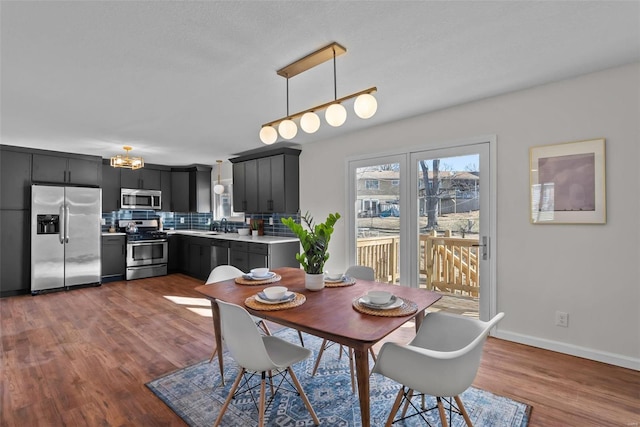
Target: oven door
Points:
(147, 253)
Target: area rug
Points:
(196, 395)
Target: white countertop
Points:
(270, 240)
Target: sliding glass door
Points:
(423, 219)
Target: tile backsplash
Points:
(200, 221)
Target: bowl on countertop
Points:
(243, 231)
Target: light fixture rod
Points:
(315, 58)
(335, 84)
(321, 106)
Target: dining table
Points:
(334, 313)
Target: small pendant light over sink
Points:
(218, 188)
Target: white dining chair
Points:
(357, 272)
(442, 361)
(228, 272)
(256, 353)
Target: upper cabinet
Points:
(267, 183)
(191, 189)
(145, 179)
(58, 169)
(15, 179)
(110, 187)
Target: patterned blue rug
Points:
(195, 394)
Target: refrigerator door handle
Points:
(61, 232)
(66, 223)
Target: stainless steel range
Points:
(147, 248)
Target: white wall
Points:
(590, 271)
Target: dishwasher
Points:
(219, 253)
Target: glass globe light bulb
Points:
(218, 189)
(335, 115)
(310, 122)
(268, 135)
(287, 129)
(365, 106)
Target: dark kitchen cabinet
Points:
(245, 186)
(199, 264)
(248, 255)
(57, 169)
(268, 183)
(15, 247)
(191, 189)
(114, 262)
(165, 187)
(173, 264)
(15, 179)
(278, 184)
(144, 179)
(110, 188)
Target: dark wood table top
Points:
(327, 313)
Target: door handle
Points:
(66, 223)
(485, 248)
(61, 222)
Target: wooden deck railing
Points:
(448, 264)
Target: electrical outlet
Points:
(248, 221)
(562, 319)
(181, 220)
(270, 220)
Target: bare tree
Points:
(431, 190)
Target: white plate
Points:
(269, 275)
(395, 303)
(288, 294)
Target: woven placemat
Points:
(408, 307)
(350, 281)
(252, 303)
(250, 282)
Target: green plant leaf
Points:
(314, 240)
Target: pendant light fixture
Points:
(126, 162)
(365, 105)
(218, 188)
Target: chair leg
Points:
(303, 396)
(229, 397)
(262, 324)
(301, 340)
(395, 407)
(315, 366)
(406, 403)
(443, 415)
(262, 401)
(463, 411)
(213, 354)
(373, 355)
(353, 378)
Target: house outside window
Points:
(372, 184)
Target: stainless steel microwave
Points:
(131, 198)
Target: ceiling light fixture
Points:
(218, 188)
(365, 105)
(127, 162)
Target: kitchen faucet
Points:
(224, 225)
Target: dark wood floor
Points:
(82, 357)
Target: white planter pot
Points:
(254, 233)
(314, 282)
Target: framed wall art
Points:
(568, 183)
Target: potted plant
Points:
(255, 228)
(315, 244)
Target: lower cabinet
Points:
(15, 247)
(173, 264)
(114, 261)
(199, 257)
(248, 255)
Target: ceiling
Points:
(192, 82)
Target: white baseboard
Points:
(573, 350)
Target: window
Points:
(372, 184)
(395, 182)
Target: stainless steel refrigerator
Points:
(65, 236)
